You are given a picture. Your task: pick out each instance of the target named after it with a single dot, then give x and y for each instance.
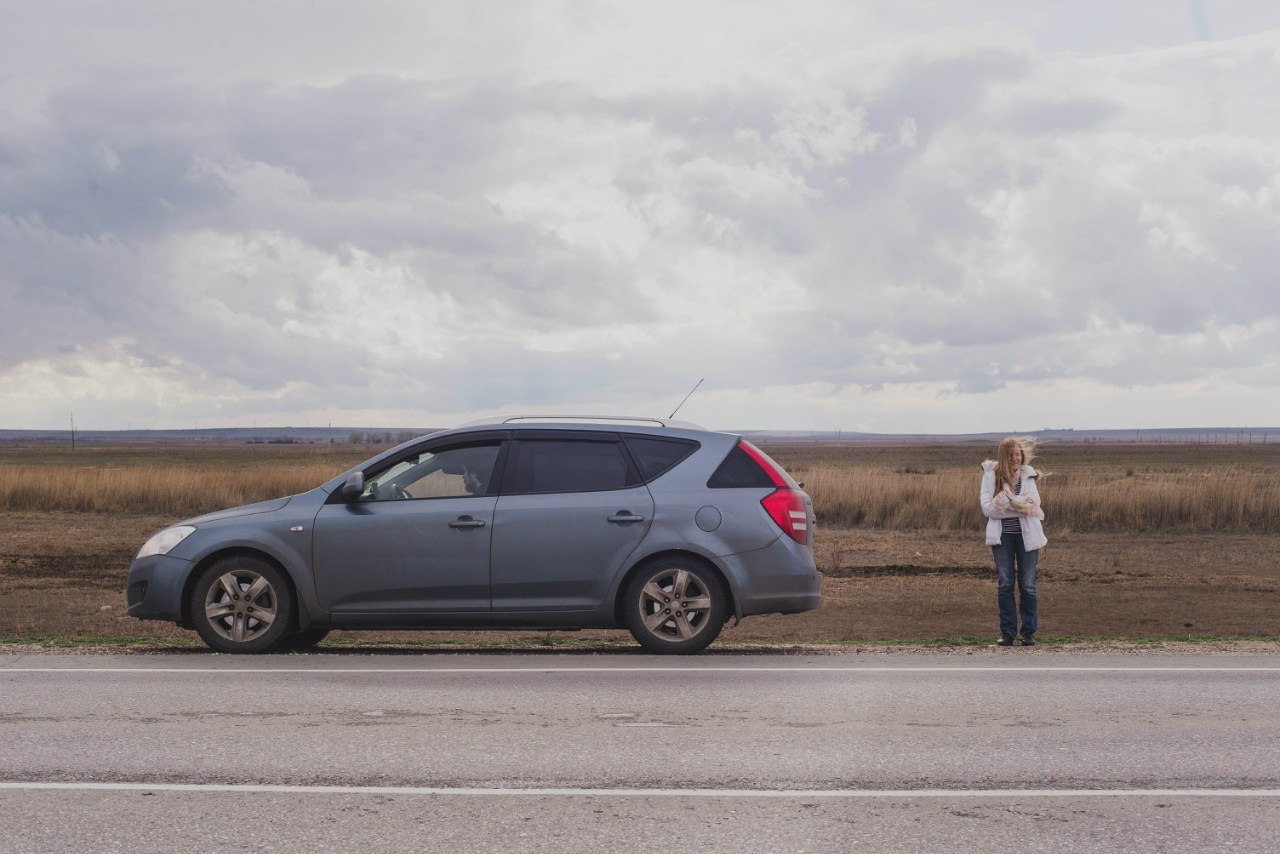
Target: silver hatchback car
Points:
(661, 527)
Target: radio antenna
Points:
(686, 397)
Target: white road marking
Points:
(623, 670)
(463, 791)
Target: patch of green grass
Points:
(1052, 640)
(547, 639)
(554, 640)
(348, 641)
(100, 640)
(964, 640)
(1216, 638)
(558, 641)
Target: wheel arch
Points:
(657, 557)
(299, 610)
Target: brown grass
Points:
(1195, 500)
(180, 479)
(178, 491)
(1116, 488)
(1087, 487)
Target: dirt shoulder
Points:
(62, 575)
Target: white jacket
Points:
(1032, 531)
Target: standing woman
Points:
(1011, 503)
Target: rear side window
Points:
(655, 457)
(739, 471)
(555, 465)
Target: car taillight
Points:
(785, 506)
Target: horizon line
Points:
(827, 432)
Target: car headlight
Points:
(162, 542)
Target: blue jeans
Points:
(1007, 554)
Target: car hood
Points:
(244, 510)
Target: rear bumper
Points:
(780, 578)
(155, 588)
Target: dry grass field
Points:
(1086, 487)
(1146, 541)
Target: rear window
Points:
(556, 465)
(739, 471)
(655, 457)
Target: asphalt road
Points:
(1003, 751)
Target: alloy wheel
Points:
(242, 604)
(677, 607)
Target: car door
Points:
(416, 541)
(572, 511)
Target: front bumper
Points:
(155, 587)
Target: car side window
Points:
(559, 465)
(738, 471)
(656, 456)
(440, 473)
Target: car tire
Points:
(304, 639)
(675, 605)
(242, 604)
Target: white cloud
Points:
(839, 215)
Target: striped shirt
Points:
(1012, 525)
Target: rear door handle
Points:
(466, 522)
(625, 516)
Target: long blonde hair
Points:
(1004, 464)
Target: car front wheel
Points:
(304, 639)
(242, 605)
(676, 605)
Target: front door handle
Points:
(625, 516)
(466, 522)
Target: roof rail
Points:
(583, 419)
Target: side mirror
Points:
(352, 489)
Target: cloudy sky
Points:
(908, 216)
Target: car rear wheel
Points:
(242, 605)
(676, 605)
